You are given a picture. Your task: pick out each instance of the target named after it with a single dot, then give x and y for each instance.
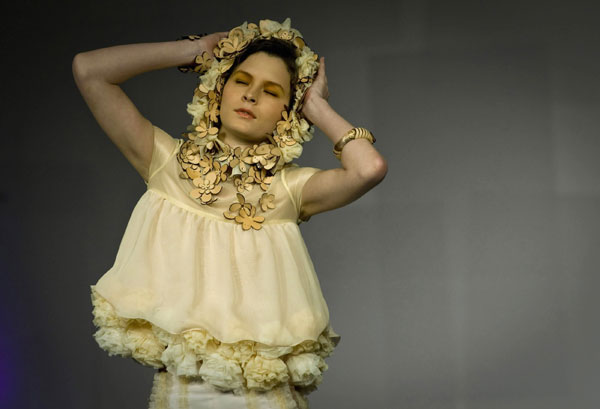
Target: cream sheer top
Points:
(181, 265)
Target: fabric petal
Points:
(306, 369)
(221, 372)
(264, 373)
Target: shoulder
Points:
(164, 140)
(165, 147)
(291, 172)
(294, 177)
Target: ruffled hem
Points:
(239, 367)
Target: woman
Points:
(212, 284)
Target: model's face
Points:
(260, 84)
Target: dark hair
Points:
(277, 48)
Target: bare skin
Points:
(98, 74)
(261, 84)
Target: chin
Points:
(241, 133)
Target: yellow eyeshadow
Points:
(241, 75)
(238, 74)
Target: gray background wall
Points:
(467, 279)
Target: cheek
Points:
(274, 115)
(276, 109)
(228, 94)
(225, 97)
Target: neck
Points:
(235, 141)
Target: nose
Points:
(249, 96)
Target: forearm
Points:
(358, 155)
(119, 63)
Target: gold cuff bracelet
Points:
(354, 133)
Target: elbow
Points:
(375, 172)
(77, 66)
(80, 67)
(381, 169)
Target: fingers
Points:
(321, 76)
(220, 34)
(322, 66)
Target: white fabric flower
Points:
(163, 336)
(143, 344)
(249, 32)
(264, 373)
(200, 341)
(197, 108)
(306, 369)
(306, 346)
(209, 79)
(326, 345)
(291, 152)
(222, 373)
(239, 352)
(111, 340)
(271, 27)
(103, 312)
(306, 63)
(180, 360)
(301, 130)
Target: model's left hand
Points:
(317, 90)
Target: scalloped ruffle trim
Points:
(239, 366)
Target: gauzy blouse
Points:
(192, 292)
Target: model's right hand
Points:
(210, 41)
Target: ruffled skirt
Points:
(178, 392)
(238, 367)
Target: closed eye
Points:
(245, 83)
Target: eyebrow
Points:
(267, 82)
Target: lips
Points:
(247, 111)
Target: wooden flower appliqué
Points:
(248, 219)
(266, 201)
(232, 44)
(207, 186)
(203, 130)
(203, 62)
(213, 106)
(284, 125)
(246, 214)
(260, 177)
(243, 182)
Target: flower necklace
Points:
(209, 165)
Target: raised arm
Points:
(362, 167)
(98, 74)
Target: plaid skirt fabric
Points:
(170, 391)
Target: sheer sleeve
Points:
(164, 145)
(294, 178)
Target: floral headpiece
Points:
(207, 160)
(292, 130)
